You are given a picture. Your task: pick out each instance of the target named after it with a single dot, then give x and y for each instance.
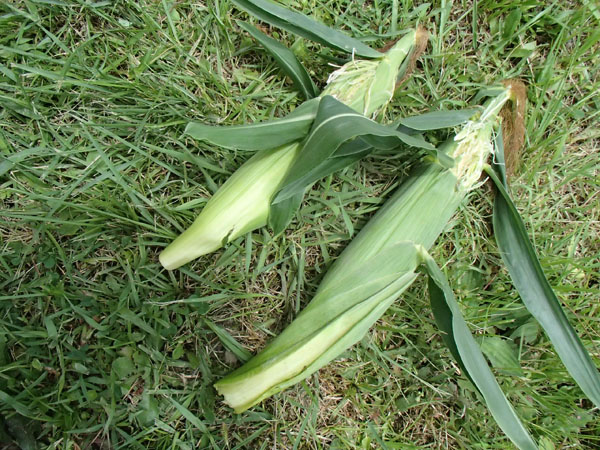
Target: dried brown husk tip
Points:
(513, 124)
(421, 39)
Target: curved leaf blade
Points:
(229, 341)
(335, 124)
(281, 213)
(330, 146)
(306, 27)
(528, 277)
(262, 135)
(286, 60)
(352, 147)
(464, 348)
(436, 120)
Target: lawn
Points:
(101, 348)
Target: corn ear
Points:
(337, 317)
(241, 204)
(377, 266)
(367, 85)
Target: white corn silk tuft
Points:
(475, 144)
(471, 154)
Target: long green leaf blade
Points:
(528, 277)
(286, 60)
(281, 213)
(352, 147)
(229, 341)
(347, 154)
(436, 120)
(262, 135)
(468, 354)
(306, 27)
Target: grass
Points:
(100, 348)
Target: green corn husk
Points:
(241, 204)
(377, 266)
(367, 85)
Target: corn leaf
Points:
(436, 120)
(334, 125)
(281, 213)
(355, 146)
(306, 27)
(288, 198)
(464, 348)
(528, 277)
(262, 135)
(286, 60)
(347, 154)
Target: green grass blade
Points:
(21, 430)
(468, 354)
(286, 60)
(189, 415)
(229, 341)
(306, 27)
(259, 136)
(528, 277)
